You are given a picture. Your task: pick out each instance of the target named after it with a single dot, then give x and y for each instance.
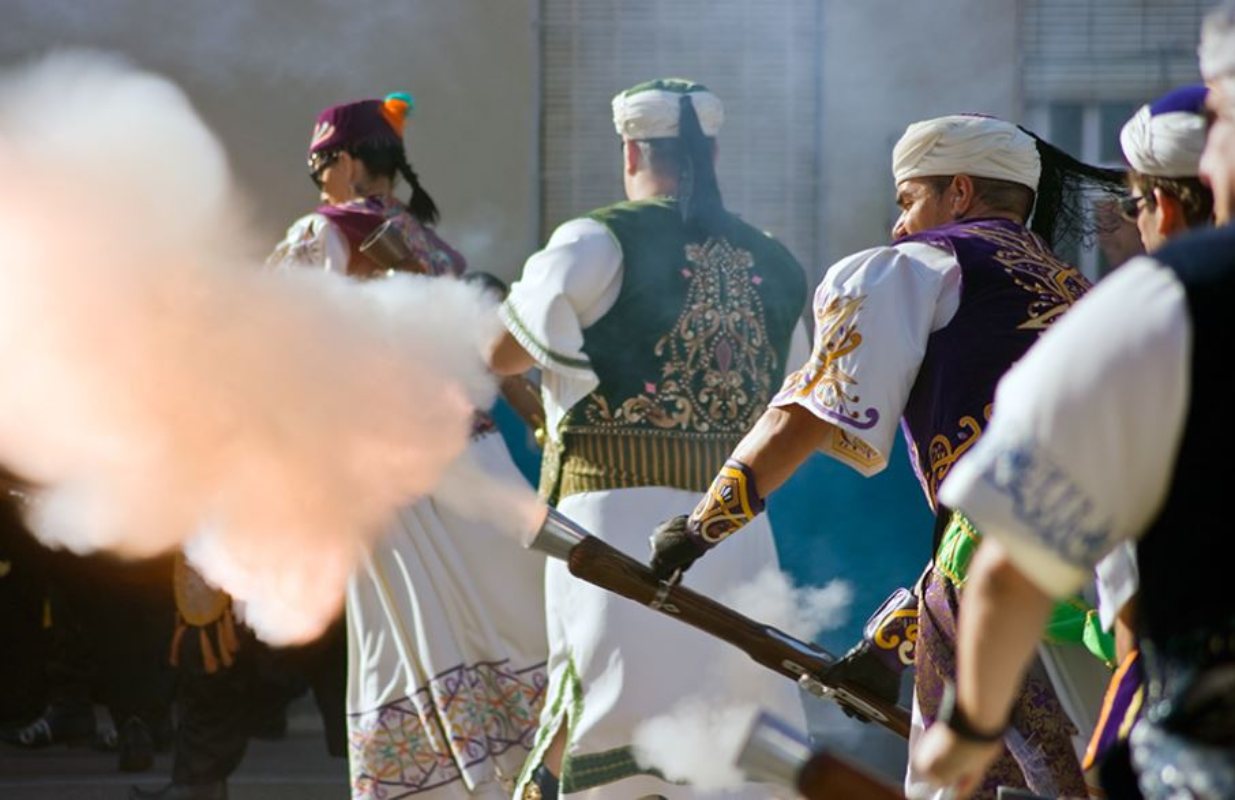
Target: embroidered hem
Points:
(445, 730)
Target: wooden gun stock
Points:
(598, 563)
(826, 776)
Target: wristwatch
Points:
(950, 714)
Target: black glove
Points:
(729, 503)
(863, 667)
(675, 546)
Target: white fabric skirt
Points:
(446, 649)
(615, 664)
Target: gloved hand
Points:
(730, 502)
(675, 546)
(863, 666)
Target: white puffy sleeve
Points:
(1078, 455)
(564, 288)
(312, 241)
(874, 312)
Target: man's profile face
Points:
(1218, 159)
(922, 207)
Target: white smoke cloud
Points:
(699, 739)
(800, 611)
(164, 390)
(697, 743)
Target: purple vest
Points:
(1012, 289)
(358, 218)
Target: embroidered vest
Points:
(688, 357)
(1012, 289)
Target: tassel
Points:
(173, 657)
(227, 632)
(208, 658)
(225, 653)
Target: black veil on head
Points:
(1066, 189)
(698, 191)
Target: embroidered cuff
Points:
(731, 502)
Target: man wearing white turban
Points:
(1162, 143)
(661, 326)
(1105, 434)
(920, 332)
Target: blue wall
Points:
(830, 522)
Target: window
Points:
(762, 59)
(1088, 65)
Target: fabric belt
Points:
(594, 462)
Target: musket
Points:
(386, 248)
(774, 752)
(600, 564)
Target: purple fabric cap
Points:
(344, 125)
(1185, 98)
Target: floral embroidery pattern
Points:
(717, 366)
(463, 718)
(829, 388)
(1055, 286)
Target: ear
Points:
(1170, 214)
(347, 166)
(962, 196)
(632, 155)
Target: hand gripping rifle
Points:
(600, 564)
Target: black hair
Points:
(1195, 198)
(383, 158)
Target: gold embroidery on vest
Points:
(717, 364)
(1031, 266)
(943, 453)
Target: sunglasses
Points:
(1130, 206)
(319, 163)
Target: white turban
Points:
(651, 110)
(1217, 49)
(967, 144)
(1165, 138)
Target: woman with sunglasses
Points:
(446, 620)
(355, 157)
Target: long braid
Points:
(420, 204)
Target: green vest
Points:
(688, 356)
